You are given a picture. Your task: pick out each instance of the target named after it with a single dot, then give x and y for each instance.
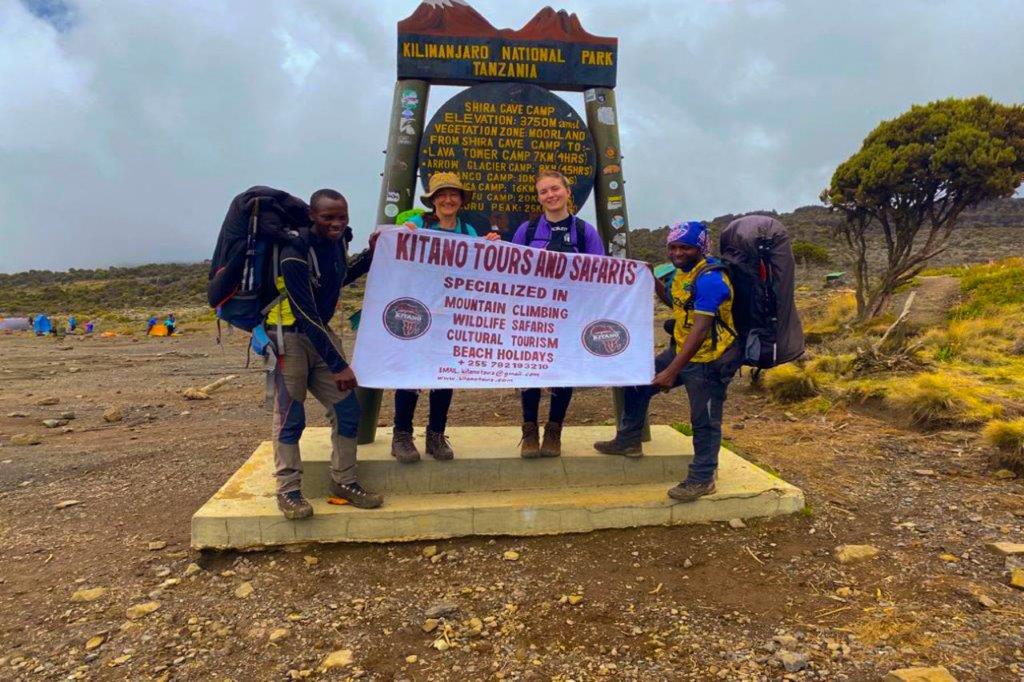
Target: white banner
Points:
(448, 311)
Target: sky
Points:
(127, 126)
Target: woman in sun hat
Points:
(445, 198)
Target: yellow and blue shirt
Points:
(711, 294)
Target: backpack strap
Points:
(531, 230)
(688, 305)
(278, 301)
(248, 282)
(315, 265)
(580, 228)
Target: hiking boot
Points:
(689, 491)
(356, 495)
(626, 447)
(403, 448)
(438, 446)
(529, 446)
(552, 445)
(294, 506)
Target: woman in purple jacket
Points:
(557, 229)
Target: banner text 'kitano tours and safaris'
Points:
(447, 311)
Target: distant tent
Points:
(14, 324)
(159, 329)
(42, 325)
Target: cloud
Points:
(126, 127)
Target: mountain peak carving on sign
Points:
(457, 18)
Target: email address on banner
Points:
(497, 376)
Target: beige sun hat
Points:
(439, 181)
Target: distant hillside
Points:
(995, 230)
(160, 287)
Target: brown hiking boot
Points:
(357, 495)
(529, 446)
(403, 448)
(552, 445)
(438, 446)
(689, 491)
(294, 506)
(626, 447)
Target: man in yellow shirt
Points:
(703, 357)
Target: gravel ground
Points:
(97, 580)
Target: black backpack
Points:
(759, 255)
(243, 271)
(578, 226)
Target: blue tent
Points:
(42, 325)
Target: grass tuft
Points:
(1008, 438)
(1005, 435)
(938, 399)
(684, 429)
(790, 383)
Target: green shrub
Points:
(809, 253)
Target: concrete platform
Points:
(487, 490)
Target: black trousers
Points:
(405, 408)
(560, 399)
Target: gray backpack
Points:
(759, 255)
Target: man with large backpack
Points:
(703, 357)
(277, 271)
(313, 271)
(739, 310)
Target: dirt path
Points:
(697, 602)
(936, 296)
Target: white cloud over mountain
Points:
(126, 127)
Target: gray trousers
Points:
(301, 369)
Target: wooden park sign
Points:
(506, 125)
(449, 43)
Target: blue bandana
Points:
(691, 233)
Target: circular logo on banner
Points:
(406, 318)
(605, 338)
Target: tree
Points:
(913, 177)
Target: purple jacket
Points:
(592, 239)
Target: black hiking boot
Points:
(552, 445)
(689, 491)
(620, 445)
(403, 448)
(529, 446)
(294, 506)
(438, 446)
(356, 495)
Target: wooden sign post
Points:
(504, 128)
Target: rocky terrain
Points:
(97, 580)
